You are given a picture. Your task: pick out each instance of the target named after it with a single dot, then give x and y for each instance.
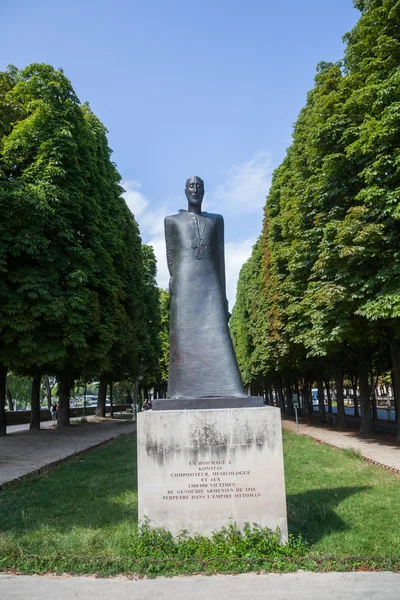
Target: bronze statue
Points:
(202, 364)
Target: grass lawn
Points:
(341, 504)
(87, 508)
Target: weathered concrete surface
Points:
(379, 448)
(295, 586)
(200, 470)
(27, 451)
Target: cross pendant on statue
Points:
(197, 235)
(198, 238)
(197, 245)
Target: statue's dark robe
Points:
(202, 360)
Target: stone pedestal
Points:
(202, 469)
(207, 403)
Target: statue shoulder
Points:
(217, 219)
(214, 217)
(170, 220)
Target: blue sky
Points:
(185, 87)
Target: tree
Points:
(165, 302)
(26, 213)
(249, 325)
(61, 236)
(150, 335)
(330, 235)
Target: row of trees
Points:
(78, 297)
(320, 296)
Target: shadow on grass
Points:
(93, 490)
(312, 513)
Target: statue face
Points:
(194, 191)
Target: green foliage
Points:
(20, 389)
(224, 548)
(165, 302)
(329, 267)
(123, 392)
(76, 288)
(150, 331)
(249, 325)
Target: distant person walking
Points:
(54, 411)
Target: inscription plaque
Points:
(202, 469)
(216, 480)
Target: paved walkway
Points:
(294, 586)
(49, 423)
(379, 448)
(43, 425)
(28, 451)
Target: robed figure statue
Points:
(202, 359)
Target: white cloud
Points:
(158, 244)
(236, 254)
(135, 200)
(245, 189)
(151, 224)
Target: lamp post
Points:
(84, 399)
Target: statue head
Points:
(194, 191)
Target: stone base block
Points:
(202, 403)
(199, 470)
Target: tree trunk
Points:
(35, 403)
(274, 394)
(328, 393)
(306, 396)
(111, 400)
(321, 399)
(289, 399)
(373, 397)
(9, 399)
(365, 403)
(140, 397)
(310, 395)
(65, 382)
(280, 393)
(3, 422)
(101, 398)
(355, 399)
(341, 414)
(269, 396)
(48, 392)
(395, 354)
